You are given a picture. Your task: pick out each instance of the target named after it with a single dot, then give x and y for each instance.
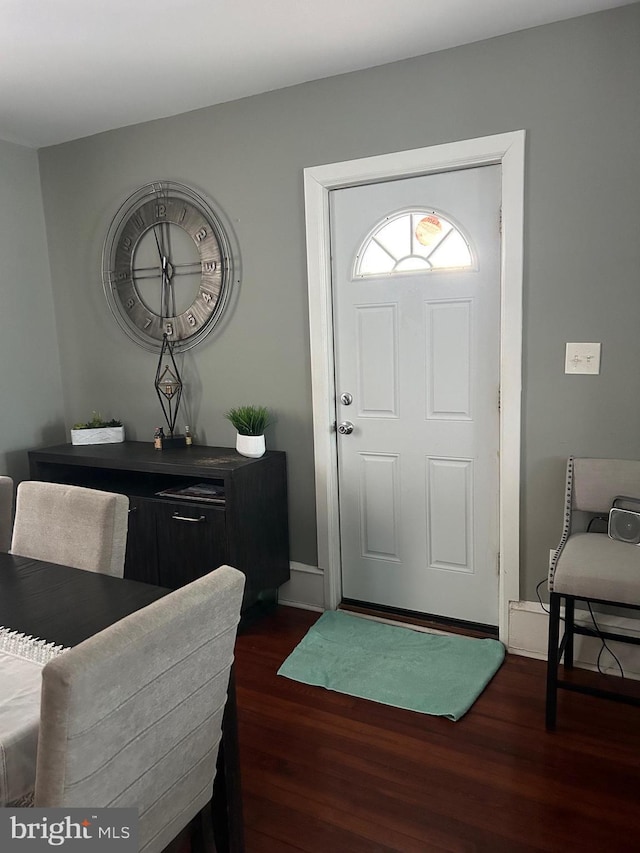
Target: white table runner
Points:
(21, 661)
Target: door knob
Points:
(346, 399)
(345, 428)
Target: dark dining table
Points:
(65, 606)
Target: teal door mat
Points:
(429, 673)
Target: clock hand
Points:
(163, 249)
(166, 290)
(166, 241)
(164, 287)
(160, 250)
(167, 295)
(162, 245)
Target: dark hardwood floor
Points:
(326, 773)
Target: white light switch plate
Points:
(582, 358)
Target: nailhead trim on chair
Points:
(567, 522)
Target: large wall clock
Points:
(168, 266)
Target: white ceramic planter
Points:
(103, 435)
(250, 445)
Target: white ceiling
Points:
(72, 68)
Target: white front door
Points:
(416, 293)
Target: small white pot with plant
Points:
(250, 423)
(98, 431)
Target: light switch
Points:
(582, 358)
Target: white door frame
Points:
(508, 150)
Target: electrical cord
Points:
(604, 519)
(596, 628)
(604, 644)
(539, 596)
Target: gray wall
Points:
(573, 86)
(31, 405)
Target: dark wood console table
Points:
(173, 540)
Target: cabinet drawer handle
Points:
(177, 517)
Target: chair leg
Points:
(569, 611)
(227, 791)
(552, 661)
(201, 835)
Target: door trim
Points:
(508, 150)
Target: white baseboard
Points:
(528, 627)
(305, 589)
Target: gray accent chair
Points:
(83, 528)
(590, 567)
(133, 715)
(6, 512)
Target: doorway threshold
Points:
(419, 621)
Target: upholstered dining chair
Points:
(132, 716)
(83, 528)
(590, 567)
(6, 512)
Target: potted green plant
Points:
(97, 431)
(250, 423)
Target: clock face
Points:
(167, 266)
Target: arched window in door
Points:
(413, 241)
